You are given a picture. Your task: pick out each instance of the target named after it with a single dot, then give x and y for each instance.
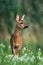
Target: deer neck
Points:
(17, 31)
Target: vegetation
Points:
(30, 55)
(9, 8)
(32, 51)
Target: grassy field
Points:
(30, 55)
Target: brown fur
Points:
(16, 38)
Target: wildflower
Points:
(24, 49)
(39, 53)
(9, 56)
(32, 58)
(9, 47)
(23, 57)
(31, 53)
(39, 49)
(2, 45)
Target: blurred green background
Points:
(33, 10)
(32, 48)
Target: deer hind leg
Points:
(14, 50)
(19, 49)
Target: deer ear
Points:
(23, 17)
(17, 17)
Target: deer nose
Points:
(26, 26)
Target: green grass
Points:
(30, 55)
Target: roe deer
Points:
(16, 38)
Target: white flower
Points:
(39, 49)
(39, 53)
(9, 56)
(41, 59)
(2, 45)
(32, 58)
(31, 53)
(27, 59)
(24, 48)
(22, 58)
(9, 47)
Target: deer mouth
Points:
(26, 27)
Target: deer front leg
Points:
(15, 50)
(19, 49)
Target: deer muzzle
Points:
(26, 26)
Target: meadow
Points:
(30, 55)
(32, 49)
